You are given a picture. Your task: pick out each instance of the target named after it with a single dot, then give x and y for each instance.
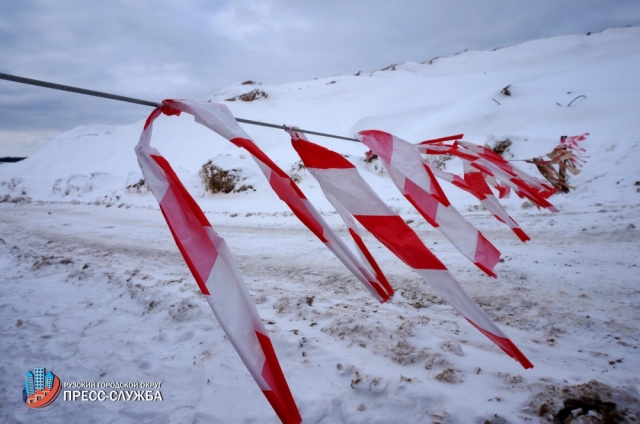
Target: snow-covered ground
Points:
(93, 287)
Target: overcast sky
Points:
(193, 48)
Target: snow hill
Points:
(444, 96)
(93, 286)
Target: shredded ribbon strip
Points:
(311, 162)
(217, 275)
(354, 198)
(475, 183)
(218, 118)
(418, 184)
(219, 278)
(495, 170)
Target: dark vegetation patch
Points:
(298, 171)
(139, 187)
(370, 157)
(218, 180)
(431, 61)
(501, 146)
(250, 96)
(391, 67)
(18, 199)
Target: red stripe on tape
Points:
(398, 237)
(506, 345)
(315, 156)
(388, 290)
(279, 396)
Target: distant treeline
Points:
(11, 159)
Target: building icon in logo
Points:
(40, 389)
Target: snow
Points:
(94, 289)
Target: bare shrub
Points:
(218, 180)
(297, 172)
(250, 96)
(501, 146)
(139, 187)
(378, 167)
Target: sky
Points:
(190, 49)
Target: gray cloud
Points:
(160, 49)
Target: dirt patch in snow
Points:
(592, 402)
